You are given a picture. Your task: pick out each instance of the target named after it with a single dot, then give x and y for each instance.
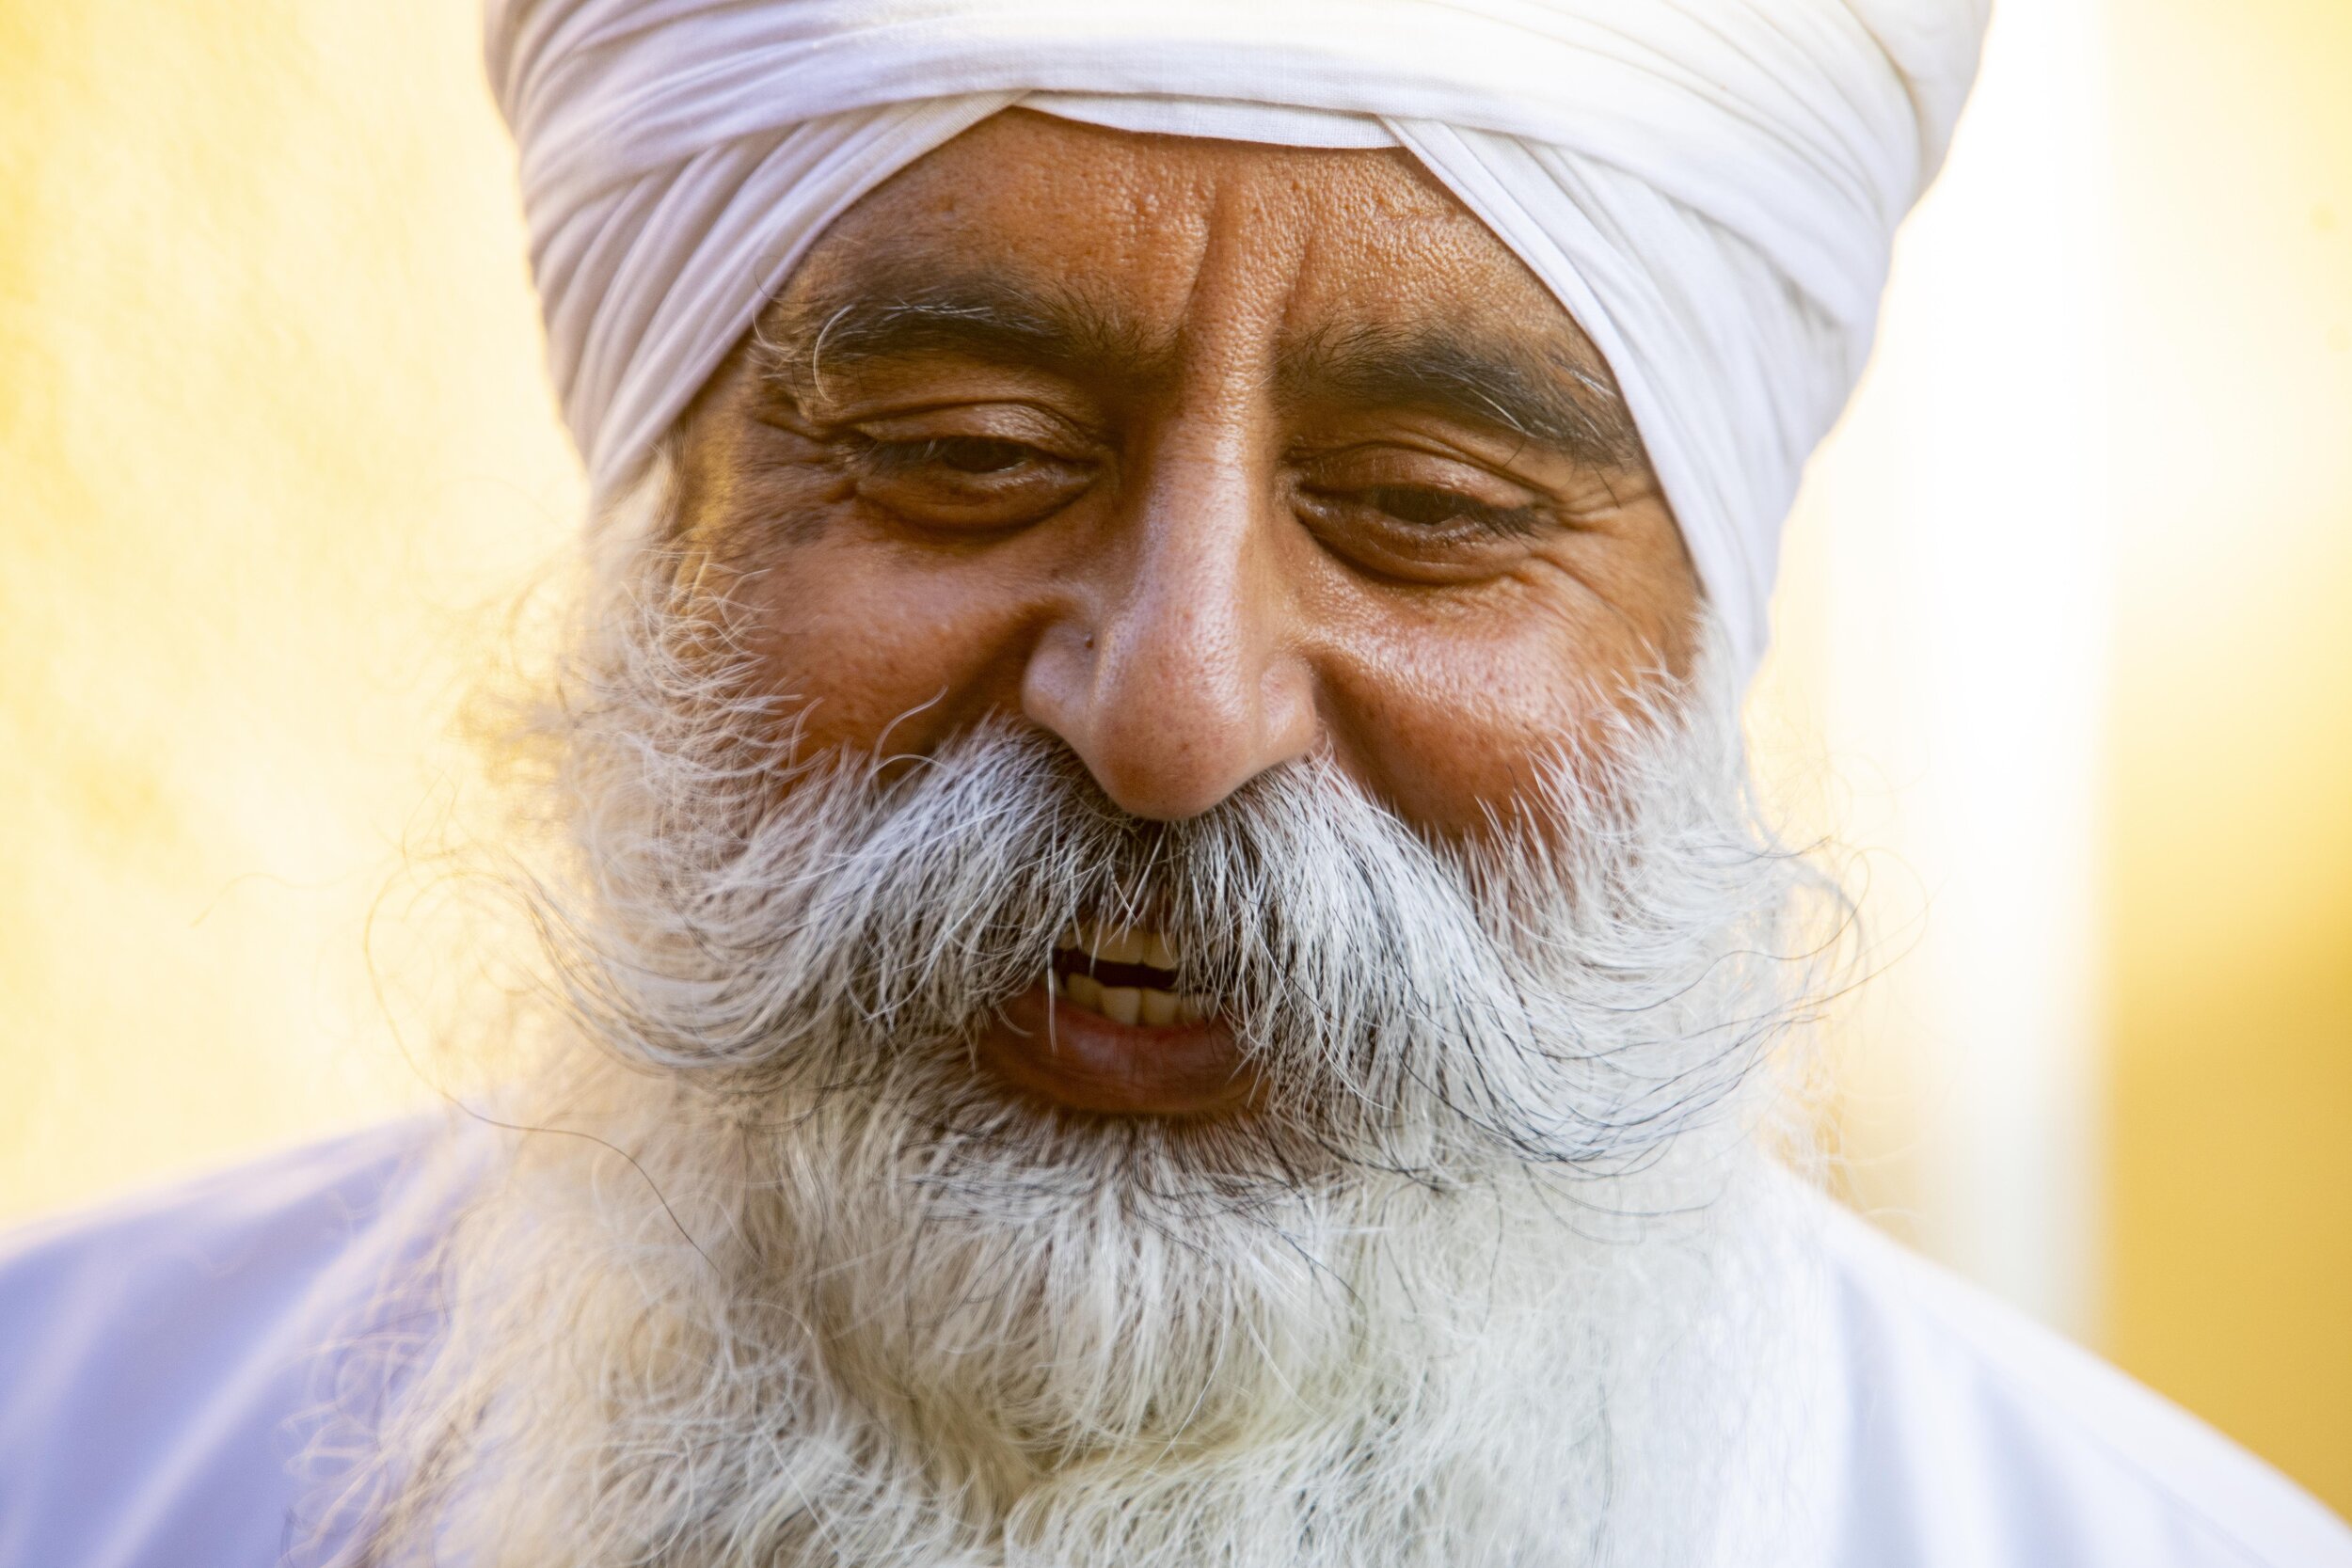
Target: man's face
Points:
(1201, 457)
(1231, 544)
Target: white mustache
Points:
(1556, 992)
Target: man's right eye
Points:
(964, 482)
(965, 455)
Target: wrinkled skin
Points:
(1201, 457)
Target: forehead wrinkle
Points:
(1546, 392)
(995, 315)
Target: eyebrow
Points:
(983, 317)
(1552, 392)
(1546, 392)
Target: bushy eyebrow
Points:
(1554, 395)
(982, 317)
(1549, 390)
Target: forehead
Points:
(1342, 235)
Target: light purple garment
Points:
(162, 1361)
(165, 1360)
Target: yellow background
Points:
(2229, 807)
(275, 455)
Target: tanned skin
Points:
(1199, 456)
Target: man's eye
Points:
(1425, 507)
(964, 454)
(964, 482)
(1413, 504)
(1424, 532)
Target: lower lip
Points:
(1082, 1061)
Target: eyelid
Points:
(1007, 419)
(1477, 486)
(908, 477)
(904, 456)
(1523, 466)
(1476, 520)
(1395, 553)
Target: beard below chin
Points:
(1487, 1278)
(832, 1334)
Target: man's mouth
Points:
(1108, 1031)
(1122, 974)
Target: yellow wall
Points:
(274, 450)
(273, 443)
(2229, 827)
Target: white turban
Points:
(1710, 187)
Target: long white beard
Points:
(1496, 1274)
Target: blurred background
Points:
(2064, 672)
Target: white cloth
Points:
(1711, 187)
(161, 1363)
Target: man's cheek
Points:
(1445, 730)
(864, 668)
(1458, 790)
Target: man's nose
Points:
(1173, 675)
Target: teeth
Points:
(1119, 944)
(1145, 1005)
(1101, 943)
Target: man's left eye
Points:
(1425, 507)
(1419, 516)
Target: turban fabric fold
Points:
(1710, 187)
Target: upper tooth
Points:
(1106, 943)
(1119, 944)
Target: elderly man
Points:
(1160, 954)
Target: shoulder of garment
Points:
(159, 1356)
(1977, 1437)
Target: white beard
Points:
(1499, 1274)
